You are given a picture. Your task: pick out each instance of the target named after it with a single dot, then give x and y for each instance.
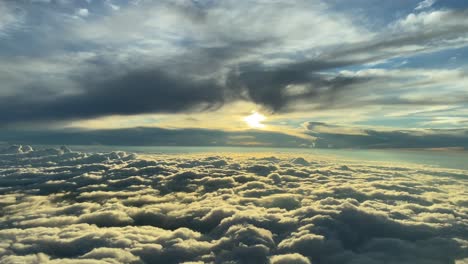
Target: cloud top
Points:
(61, 206)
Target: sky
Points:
(339, 73)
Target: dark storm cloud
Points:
(154, 91)
(134, 92)
(269, 87)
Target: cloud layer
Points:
(153, 136)
(75, 61)
(60, 206)
(313, 134)
(328, 135)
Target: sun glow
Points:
(255, 120)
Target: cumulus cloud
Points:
(62, 206)
(293, 258)
(447, 20)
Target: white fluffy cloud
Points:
(435, 20)
(60, 206)
(83, 12)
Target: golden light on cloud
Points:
(255, 120)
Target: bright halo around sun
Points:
(255, 120)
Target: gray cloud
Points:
(268, 87)
(354, 137)
(130, 93)
(153, 136)
(154, 91)
(322, 135)
(204, 75)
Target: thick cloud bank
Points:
(60, 206)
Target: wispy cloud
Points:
(425, 4)
(11, 18)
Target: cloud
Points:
(294, 258)
(118, 95)
(10, 18)
(451, 21)
(329, 135)
(126, 208)
(83, 12)
(144, 136)
(284, 63)
(425, 4)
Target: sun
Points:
(255, 120)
